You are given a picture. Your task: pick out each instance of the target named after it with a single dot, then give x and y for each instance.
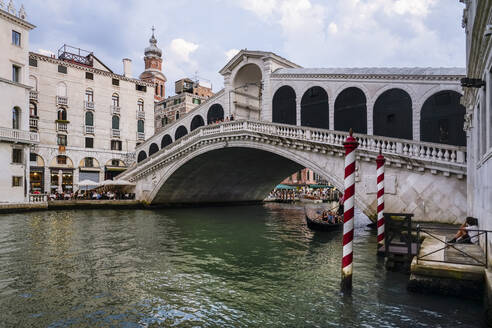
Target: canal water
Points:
(248, 266)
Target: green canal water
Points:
(248, 266)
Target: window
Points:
(197, 101)
(62, 69)
(89, 76)
(16, 181)
(61, 140)
(140, 126)
(115, 145)
(116, 82)
(140, 105)
(177, 115)
(16, 38)
(164, 120)
(89, 162)
(115, 162)
(162, 90)
(140, 87)
(116, 100)
(177, 101)
(17, 156)
(89, 142)
(156, 89)
(89, 119)
(16, 73)
(164, 105)
(115, 122)
(33, 157)
(89, 95)
(33, 62)
(33, 110)
(62, 114)
(15, 118)
(62, 160)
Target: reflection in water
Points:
(227, 266)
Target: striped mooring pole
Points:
(350, 145)
(380, 180)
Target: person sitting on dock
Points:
(468, 232)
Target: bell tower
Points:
(153, 68)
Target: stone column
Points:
(331, 113)
(370, 121)
(47, 179)
(298, 110)
(416, 121)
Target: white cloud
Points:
(333, 28)
(182, 49)
(262, 8)
(231, 53)
(45, 52)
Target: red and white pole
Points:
(350, 145)
(380, 180)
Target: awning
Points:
(89, 169)
(115, 168)
(285, 187)
(318, 186)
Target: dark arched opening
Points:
(284, 106)
(442, 119)
(215, 112)
(314, 108)
(180, 132)
(166, 140)
(153, 149)
(351, 111)
(392, 115)
(196, 122)
(141, 156)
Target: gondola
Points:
(315, 223)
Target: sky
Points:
(200, 36)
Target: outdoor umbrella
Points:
(87, 183)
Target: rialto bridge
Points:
(288, 118)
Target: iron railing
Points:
(431, 233)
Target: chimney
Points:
(127, 67)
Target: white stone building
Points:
(88, 117)
(15, 138)
(478, 102)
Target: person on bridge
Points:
(468, 232)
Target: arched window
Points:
(33, 110)
(153, 149)
(61, 89)
(115, 98)
(215, 113)
(62, 114)
(141, 156)
(284, 106)
(351, 111)
(177, 116)
(89, 95)
(180, 132)
(140, 105)
(140, 126)
(164, 121)
(16, 118)
(392, 115)
(89, 119)
(196, 122)
(162, 90)
(166, 140)
(115, 122)
(314, 108)
(442, 119)
(157, 89)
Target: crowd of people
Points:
(325, 194)
(227, 119)
(89, 194)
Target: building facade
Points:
(88, 117)
(15, 137)
(478, 102)
(189, 94)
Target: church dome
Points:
(152, 49)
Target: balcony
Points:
(33, 123)
(89, 129)
(115, 133)
(19, 136)
(89, 105)
(61, 101)
(61, 127)
(115, 110)
(140, 136)
(33, 95)
(140, 115)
